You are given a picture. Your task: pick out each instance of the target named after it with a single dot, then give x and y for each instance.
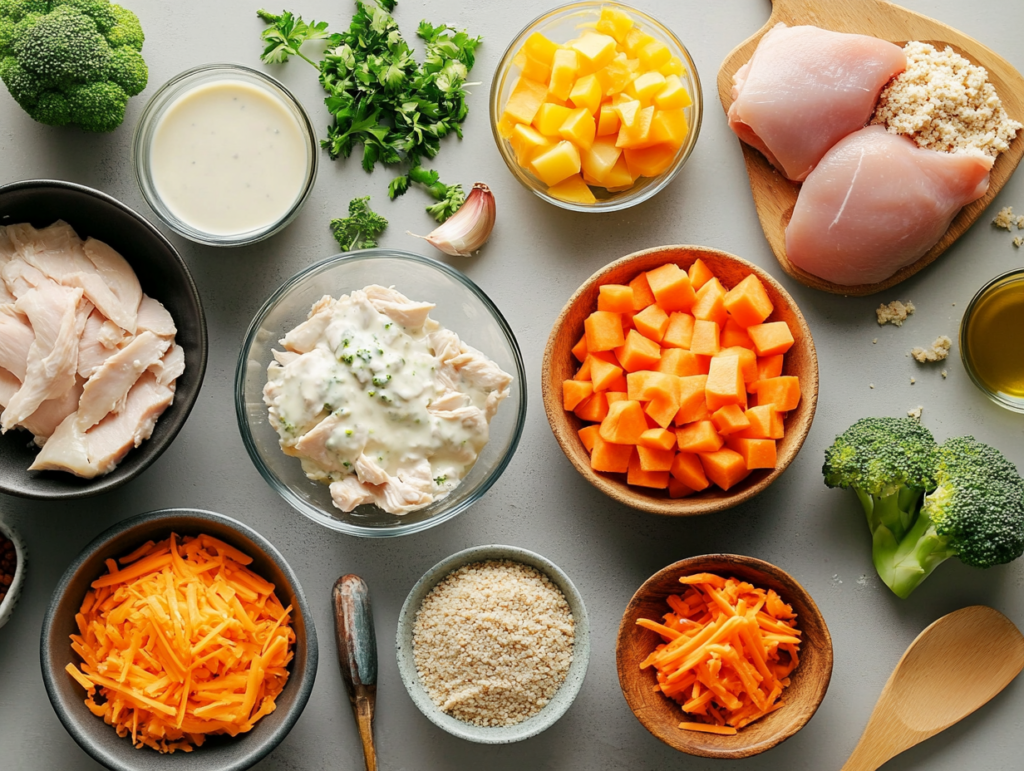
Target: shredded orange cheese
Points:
(727, 653)
(180, 640)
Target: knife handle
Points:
(357, 655)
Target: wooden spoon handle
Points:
(357, 654)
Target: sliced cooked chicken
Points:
(315, 444)
(20, 277)
(6, 254)
(115, 435)
(66, 450)
(304, 337)
(397, 307)
(107, 390)
(171, 366)
(92, 350)
(350, 493)
(114, 288)
(55, 251)
(16, 338)
(153, 317)
(53, 356)
(51, 413)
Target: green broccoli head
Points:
(71, 62)
(880, 455)
(978, 503)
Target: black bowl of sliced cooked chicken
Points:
(102, 341)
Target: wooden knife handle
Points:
(357, 655)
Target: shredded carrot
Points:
(143, 626)
(727, 650)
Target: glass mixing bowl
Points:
(461, 307)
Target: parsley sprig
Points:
(380, 97)
(359, 230)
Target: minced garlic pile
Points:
(945, 103)
(493, 642)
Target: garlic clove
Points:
(469, 228)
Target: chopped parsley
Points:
(360, 229)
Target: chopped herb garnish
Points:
(440, 480)
(359, 230)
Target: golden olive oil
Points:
(995, 337)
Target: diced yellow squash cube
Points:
(541, 48)
(505, 125)
(649, 161)
(629, 112)
(646, 86)
(615, 22)
(621, 98)
(579, 128)
(634, 41)
(532, 68)
(668, 127)
(557, 163)
(589, 179)
(586, 93)
(549, 118)
(607, 121)
(653, 55)
(673, 96)
(595, 51)
(674, 66)
(563, 72)
(525, 100)
(615, 76)
(527, 142)
(600, 159)
(636, 134)
(572, 189)
(633, 65)
(619, 178)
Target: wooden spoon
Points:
(775, 196)
(357, 654)
(953, 667)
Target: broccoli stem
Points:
(904, 565)
(895, 512)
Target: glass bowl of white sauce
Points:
(460, 305)
(225, 155)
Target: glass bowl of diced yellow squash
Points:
(596, 106)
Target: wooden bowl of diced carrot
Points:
(722, 641)
(680, 380)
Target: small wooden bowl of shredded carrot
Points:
(723, 656)
(180, 641)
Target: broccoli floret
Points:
(71, 62)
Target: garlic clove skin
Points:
(469, 228)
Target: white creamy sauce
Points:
(380, 401)
(228, 157)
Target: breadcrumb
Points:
(915, 413)
(938, 351)
(945, 103)
(871, 386)
(1004, 219)
(894, 313)
(875, 341)
(912, 381)
(944, 373)
(1018, 241)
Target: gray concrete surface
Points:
(535, 260)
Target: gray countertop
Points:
(537, 257)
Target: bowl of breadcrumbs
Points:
(493, 644)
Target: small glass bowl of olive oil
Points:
(992, 340)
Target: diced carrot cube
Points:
(615, 396)
(603, 373)
(676, 361)
(619, 384)
(593, 409)
(757, 453)
(765, 423)
(772, 338)
(686, 467)
(589, 435)
(663, 409)
(611, 457)
(699, 437)
(748, 362)
(725, 383)
(730, 419)
(659, 438)
(748, 302)
(679, 332)
(677, 489)
(651, 322)
(604, 331)
(574, 392)
(770, 366)
(700, 274)
(656, 459)
(724, 467)
(583, 373)
(735, 336)
(640, 478)
(693, 404)
(648, 384)
(580, 349)
(615, 298)
(710, 304)
(704, 362)
(671, 287)
(705, 340)
(637, 352)
(642, 294)
(783, 393)
(624, 423)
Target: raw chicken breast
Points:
(805, 88)
(16, 338)
(876, 203)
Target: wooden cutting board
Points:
(775, 196)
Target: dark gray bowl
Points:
(163, 275)
(219, 753)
